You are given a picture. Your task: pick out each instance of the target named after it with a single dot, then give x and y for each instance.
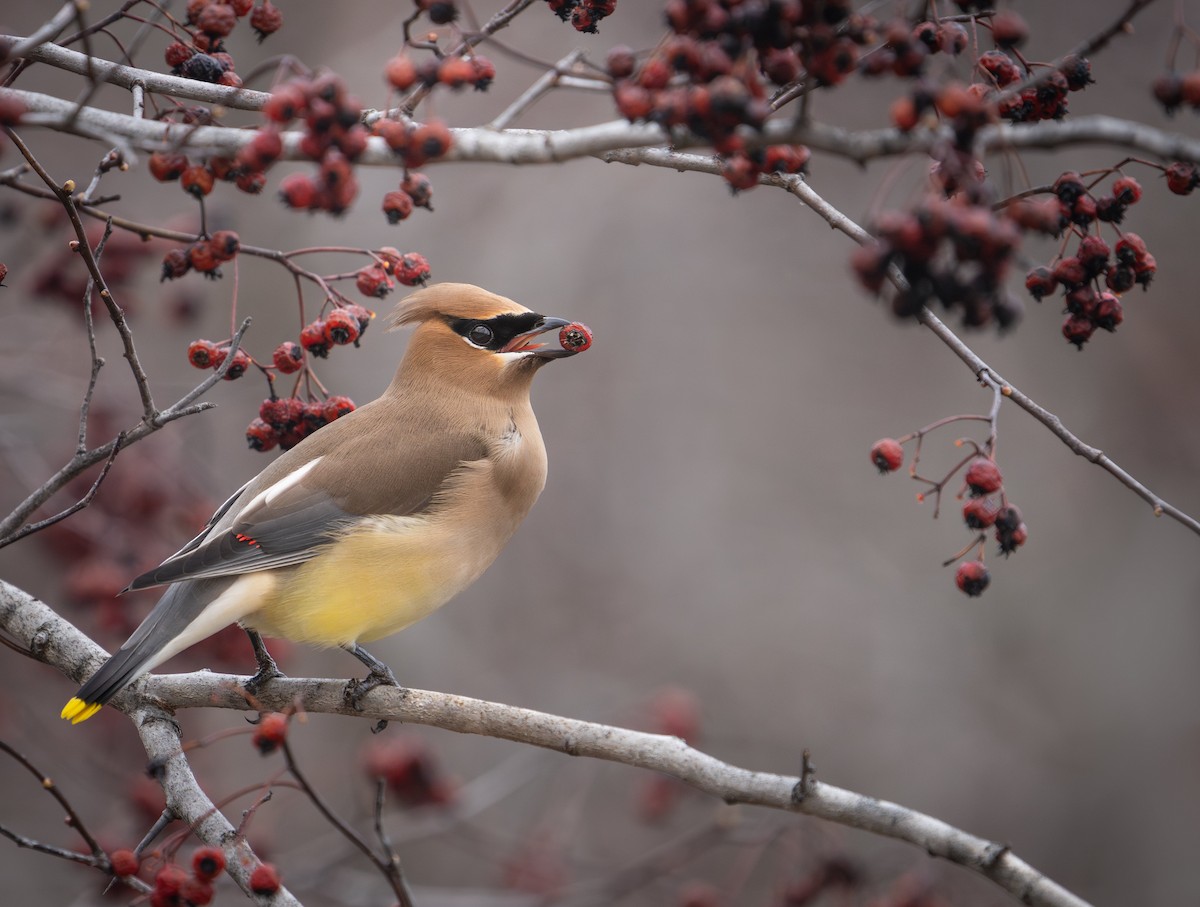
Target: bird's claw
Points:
(264, 675)
(357, 689)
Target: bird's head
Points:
(468, 335)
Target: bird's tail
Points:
(148, 647)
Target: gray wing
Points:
(305, 508)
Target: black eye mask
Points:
(502, 328)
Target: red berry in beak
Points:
(575, 337)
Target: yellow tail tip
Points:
(77, 710)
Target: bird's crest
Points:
(452, 300)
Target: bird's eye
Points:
(480, 335)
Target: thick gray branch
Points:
(56, 642)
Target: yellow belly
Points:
(372, 583)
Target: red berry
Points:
(298, 191)
(1078, 329)
(575, 337)
(740, 172)
(887, 455)
(1040, 282)
(1009, 29)
(411, 269)
(261, 151)
(251, 183)
(203, 259)
(167, 167)
(400, 73)
(1182, 177)
(1011, 532)
(373, 281)
(1145, 269)
(1107, 313)
(264, 880)
(429, 141)
(177, 54)
(972, 577)
(265, 20)
(196, 892)
(979, 513)
(169, 880)
(287, 102)
(952, 38)
(203, 354)
(418, 187)
(208, 863)
(1127, 190)
(397, 206)
(237, 368)
(1130, 249)
(312, 338)
(983, 476)
(197, 180)
(341, 327)
(1070, 272)
(1077, 71)
(288, 357)
(225, 245)
(455, 72)
(271, 732)
(216, 20)
(336, 407)
(175, 264)
(633, 101)
(620, 62)
(124, 863)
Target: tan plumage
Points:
(380, 517)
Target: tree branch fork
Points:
(45, 636)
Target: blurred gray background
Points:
(711, 519)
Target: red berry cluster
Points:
(333, 137)
(584, 15)
(286, 421)
(207, 354)
(1089, 305)
(205, 256)
(455, 72)
(986, 507)
(174, 886)
(946, 249)
(203, 56)
(411, 770)
(415, 191)
(198, 179)
(1046, 100)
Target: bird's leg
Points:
(267, 669)
(380, 675)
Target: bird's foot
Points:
(264, 675)
(380, 676)
(267, 669)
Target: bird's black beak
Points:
(571, 338)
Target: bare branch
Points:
(20, 47)
(188, 802)
(129, 76)
(55, 642)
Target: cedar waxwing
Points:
(379, 518)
